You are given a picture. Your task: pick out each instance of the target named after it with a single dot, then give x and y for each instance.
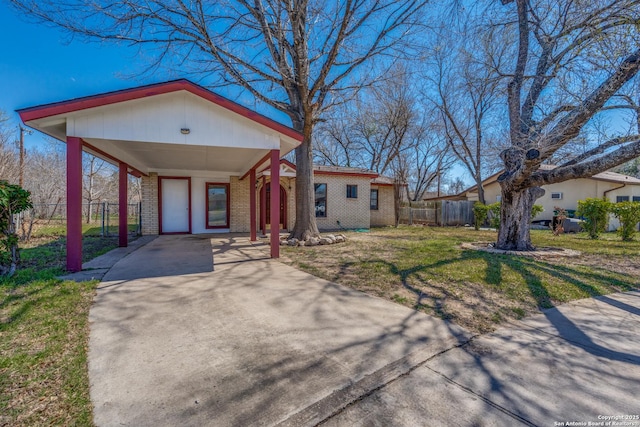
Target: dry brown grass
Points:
(425, 268)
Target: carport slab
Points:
(178, 340)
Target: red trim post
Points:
(263, 206)
(74, 204)
(123, 229)
(275, 204)
(252, 204)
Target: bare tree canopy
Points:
(9, 168)
(466, 94)
(386, 129)
(291, 55)
(571, 58)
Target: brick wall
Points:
(240, 221)
(352, 213)
(149, 187)
(385, 215)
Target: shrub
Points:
(595, 213)
(536, 210)
(494, 208)
(13, 200)
(629, 215)
(480, 213)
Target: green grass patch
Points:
(44, 337)
(426, 269)
(43, 352)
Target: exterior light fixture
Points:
(185, 131)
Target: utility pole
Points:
(21, 177)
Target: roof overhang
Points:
(176, 125)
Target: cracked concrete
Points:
(573, 363)
(206, 330)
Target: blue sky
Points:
(39, 65)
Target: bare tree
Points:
(426, 161)
(456, 186)
(557, 86)
(292, 56)
(45, 178)
(466, 93)
(99, 181)
(386, 129)
(9, 169)
(373, 129)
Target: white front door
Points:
(175, 205)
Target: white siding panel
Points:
(198, 204)
(160, 118)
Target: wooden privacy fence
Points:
(443, 213)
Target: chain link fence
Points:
(99, 219)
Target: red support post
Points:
(263, 206)
(252, 204)
(275, 204)
(74, 204)
(123, 229)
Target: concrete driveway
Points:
(205, 330)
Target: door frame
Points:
(160, 178)
(206, 206)
(267, 205)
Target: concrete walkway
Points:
(206, 330)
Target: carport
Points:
(186, 137)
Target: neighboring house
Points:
(610, 185)
(204, 162)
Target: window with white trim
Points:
(556, 196)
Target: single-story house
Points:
(610, 185)
(345, 198)
(206, 164)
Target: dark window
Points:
(622, 199)
(217, 205)
(374, 200)
(636, 198)
(352, 191)
(321, 200)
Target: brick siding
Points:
(385, 215)
(352, 213)
(149, 187)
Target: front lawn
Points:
(424, 268)
(44, 336)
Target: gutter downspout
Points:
(604, 195)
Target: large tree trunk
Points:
(305, 226)
(515, 217)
